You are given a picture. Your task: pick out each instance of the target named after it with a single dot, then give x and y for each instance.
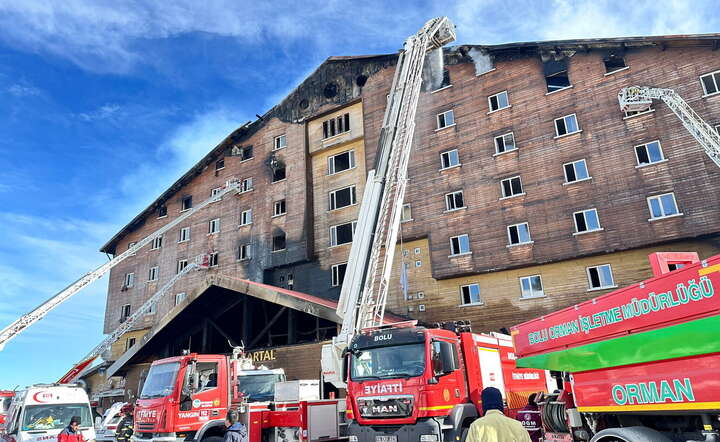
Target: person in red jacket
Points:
(72, 432)
(529, 417)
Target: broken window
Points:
(336, 125)
(124, 312)
(214, 259)
(186, 203)
(278, 242)
(279, 142)
(278, 173)
(613, 62)
(406, 213)
(279, 208)
(130, 342)
(446, 78)
(341, 162)
(505, 143)
(342, 233)
(220, 164)
(511, 187)
(338, 274)
(243, 252)
(342, 198)
(556, 75)
(162, 211)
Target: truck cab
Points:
(41, 412)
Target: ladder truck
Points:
(405, 382)
(46, 307)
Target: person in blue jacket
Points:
(234, 430)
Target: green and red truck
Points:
(641, 363)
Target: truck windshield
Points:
(160, 381)
(259, 387)
(55, 416)
(389, 362)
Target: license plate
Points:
(557, 437)
(385, 438)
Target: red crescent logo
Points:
(45, 393)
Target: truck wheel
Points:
(213, 439)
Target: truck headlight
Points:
(428, 438)
(352, 438)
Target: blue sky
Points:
(103, 104)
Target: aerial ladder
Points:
(639, 98)
(364, 291)
(201, 263)
(46, 307)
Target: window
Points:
(531, 287)
(179, 297)
(406, 214)
(511, 187)
(717, 128)
(445, 119)
(214, 260)
(566, 125)
(279, 142)
(336, 126)
(418, 263)
(162, 211)
(449, 159)
(519, 234)
(215, 192)
(279, 208)
(631, 113)
(600, 277)
(278, 242)
(153, 273)
(576, 171)
(131, 245)
(505, 143)
(246, 153)
(342, 233)
(613, 63)
(338, 274)
(246, 217)
(342, 198)
(129, 280)
(186, 203)
(184, 234)
(459, 245)
(454, 201)
(244, 252)
(181, 264)
(586, 221)
(662, 206)
(498, 101)
(341, 162)
(152, 309)
(246, 185)
(157, 242)
(214, 226)
(124, 312)
(556, 75)
(278, 172)
(649, 153)
(711, 83)
(220, 164)
(470, 294)
(417, 250)
(129, 343)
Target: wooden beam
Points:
(267, 327)
(230, 307)
(222, 332)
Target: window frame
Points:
(338, 120)
(157, 242)
(577, 124)
(502, 137)
(351, 162)
(162, 212)
(567, 181)
(451, 197)
(243, 217)
(497, 100)
(460, 252)
(533, 296)
(214, 259)
(214, 226)
(180, 265)
(584, 211)
(153, 272)
(180, 234)
(715, 75)
(186, 203)
(246, 185)
(215, 192)
(647, 154)
(443, 114)
(403, 219)
(272, 245)
(462, 295)
(124, 315)
(519, 243)
(219, 164)
(182, 296)
(278, 146)
(442, 162)
(333, 228)
(659, 198)
(129, 281)
(335, 274)
(332, 197)
(244, 252)
(601, 287)
(279, 204)
(513, 195)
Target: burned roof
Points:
(338, 80)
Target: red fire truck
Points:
(638, 364)
(407, 383)
(186, 398)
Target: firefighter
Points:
(529, 417)
(494, 426)
(72, 432)
(125, 427)
(235, 431)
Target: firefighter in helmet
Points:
(125, 426)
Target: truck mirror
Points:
(443, 361)
(345, 366)
(195, 381)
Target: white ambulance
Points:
(39, 413)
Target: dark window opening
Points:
(556, 75)
(446, 79)
(186, 203)
(342, 234)
(594, 277)
(361, 80)
(672, 267)
(514, 237)
(162, 211)
(580, 222)
(214, 260)
(278, 242)
(613, 63)
(642, 154)
(279, 173)
(570, 173)
(247, 153)
(336, 126)
(220, 164)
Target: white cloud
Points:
(23, 90)
(105, 112)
